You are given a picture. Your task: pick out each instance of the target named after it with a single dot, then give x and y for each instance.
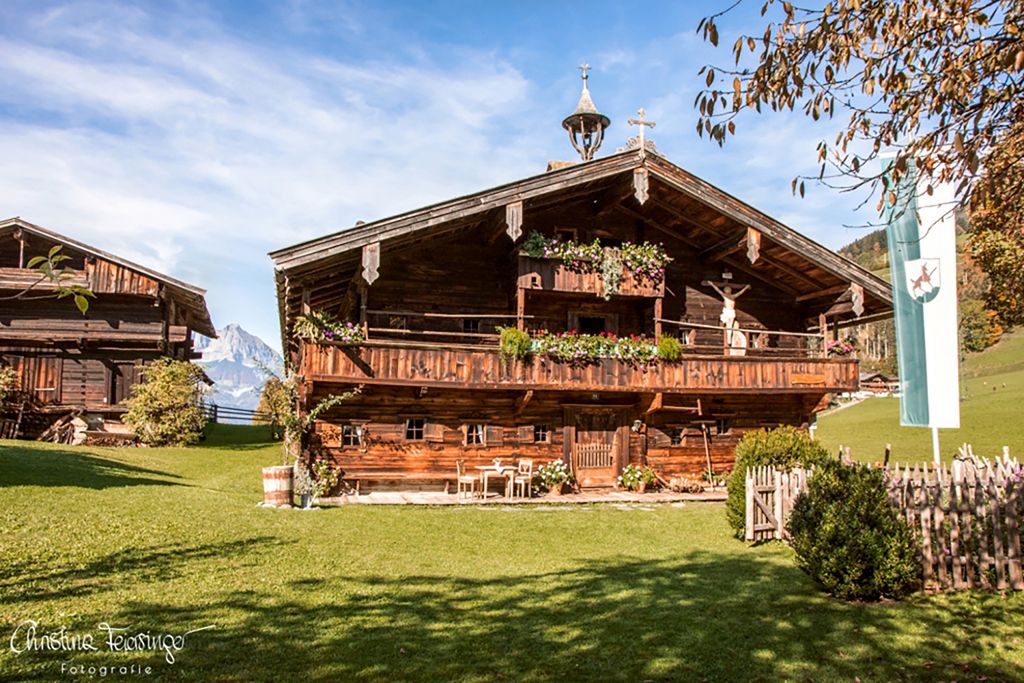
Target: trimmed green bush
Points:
(783, 448)
(848, 537)
(514, 343)
(670, 349)
(164, 409)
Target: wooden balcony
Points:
(551, 275)
(473, 367)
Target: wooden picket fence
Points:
(967, 519)
(966, 516)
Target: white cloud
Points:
(164, 136)
(197, 153)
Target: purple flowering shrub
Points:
(319, 327)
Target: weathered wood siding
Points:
(472, 368)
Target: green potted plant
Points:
(325, 478)
(637, 478)
(553, 476)
(304, 485)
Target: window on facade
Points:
(676, 436)
(475, 435)
(565, 234)
(722, 425)
(470, 326)
(351, 435)
(541, 434)
(592, 324)
(414, 429)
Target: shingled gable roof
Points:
(190, 295)
(302, 260)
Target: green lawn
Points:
(991, 414)
(167, 540)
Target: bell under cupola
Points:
(586, 125)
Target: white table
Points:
(507, 471)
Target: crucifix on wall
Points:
(734, 338)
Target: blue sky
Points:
(196, 139)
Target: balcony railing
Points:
(473, 367)
(552, 275)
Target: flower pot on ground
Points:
(637, 478)
(553, 476)
(278, 486)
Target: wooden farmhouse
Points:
(69, 363)
(420, 298)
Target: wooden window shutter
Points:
(433, 432)
(525, 433)
(658, 438)
(494, 435)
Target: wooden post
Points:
(777, 504)
(20, 236)
(749, 491)
(823, 328)
(363, 291)
(520, 308)
(658, 306)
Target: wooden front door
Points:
(597, 444)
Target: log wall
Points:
(385, 454)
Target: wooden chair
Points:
(462, 479)
(523, 480)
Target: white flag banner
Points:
(922, 255)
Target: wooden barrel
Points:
(277, 486)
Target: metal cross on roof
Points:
(584, 67)
(640, 123)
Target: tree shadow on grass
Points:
(25, 581)
(701, 617)
(47, 467)
(236, 437)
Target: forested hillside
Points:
(979, 326)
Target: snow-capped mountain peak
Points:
(235, 361)
(236, 345)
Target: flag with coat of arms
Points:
(921, 232)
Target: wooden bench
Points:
(356, 477)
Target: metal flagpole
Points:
(935, 445)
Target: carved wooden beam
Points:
(656, 403)
(371, 262)
(514, 220)
(641, 185)
(857, 295)
(753, 245)
(523, 400)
